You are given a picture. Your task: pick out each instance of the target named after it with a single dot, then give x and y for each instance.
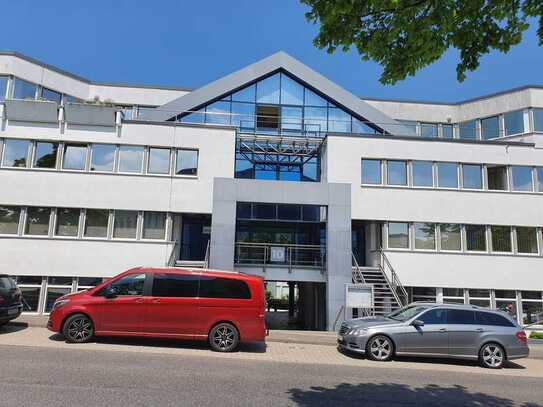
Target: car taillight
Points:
(521, 337)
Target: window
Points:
(476, 238)
(460, 317)
(243, 210)
(175, 285)
(102, 157)
(130, 159)
(67, 222)
(532, 309)
(501, 238)
(32, 296)
(396, 173)
(312, 99)
(468, 130)
(264, 211)
(315, 119)
(187, 162)
(422, 173)
(45, 155)
(247, 94)
(521, 178)
(398, 235)
(490, 127)
(539, 172)
(526, 240)
(3, 87)
(154, 225)
(409, 128)
(338, 120)
(514, 122)
(447, 130)
(24, 90)
(291, 119)
(289, 212)
(125, 224)
(292, 93)
(9, 220)
(159, 161)
(537, 115)
(488, 318)
(218, 113)
(436, 316)
(371, 172)
(37, 221)
(451, 236)
(481, 298)
(424, 294)
(497, 177)
(428, 130)
(472, 176)
(447, 175)
(425, 236)
(75, 156)
(51, 95)
(267, 90)
(215, 287)
(15, 153)
(131, 284)
(453, 295)
(96, 223)
(268, 117)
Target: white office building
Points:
(272, 170)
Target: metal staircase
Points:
(389, 293)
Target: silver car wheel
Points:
(492, 355)
(380, 348)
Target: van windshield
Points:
(403, 314)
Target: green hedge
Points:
(536, 335)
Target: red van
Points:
(222, 307)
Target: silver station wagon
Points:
(437, 330)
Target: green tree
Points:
(405, 35)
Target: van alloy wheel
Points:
(78, 329)
(492, 356)
(380, 348)
(224, 338)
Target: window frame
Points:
(143, 159)
(412, 166)
(512, 183)
(19, 222)
(461, 235)
(109, 226)
(405, 174)
(465, 232)
(49, 223)
(138, 225)
(511, 237)
(34, 149)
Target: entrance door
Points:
(195, 234)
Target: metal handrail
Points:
(206, 258)
(172, 258)
(394, 281)
(358, 271)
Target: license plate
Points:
(13, 311)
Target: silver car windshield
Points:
(406, 313)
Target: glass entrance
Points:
(195, 234)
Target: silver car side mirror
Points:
(417, 322)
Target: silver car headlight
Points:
(358, 331)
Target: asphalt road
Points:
(41, 376)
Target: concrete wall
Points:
(336, 197)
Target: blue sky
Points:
(188, 44)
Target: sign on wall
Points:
(358, 296)
(277, 254)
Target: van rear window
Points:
(217, 287)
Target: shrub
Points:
(536, 335)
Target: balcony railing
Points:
(281, 255)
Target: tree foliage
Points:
(405, 35)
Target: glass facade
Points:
(371, 172)
(514, 122)
(280, 104)
(490, 127)
(45, 155)
(422, 173)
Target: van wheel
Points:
(224, 337)
(78, 329)
(492, 356)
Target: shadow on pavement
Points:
(249, 347)
(11, 327)
(443, 361)
(385, 394)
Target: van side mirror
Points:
(417, 323)
(110, 292)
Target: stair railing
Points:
(358, 276)
(173, 254)
(399, 291)
(206, 258)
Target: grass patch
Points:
(536, 335)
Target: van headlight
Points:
(60, 303)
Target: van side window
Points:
(460, 317)
(175, 285)
(217, 287)
(489, 318)
(131, 284)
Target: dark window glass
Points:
(424, 291)
(187, 162)
(37, 221)
(453, 292)
(526, 239)
(216, 287)
(15, 153)
(514, 122)
(501, 238)
(490, 128)
(45, 155)
(311, 213)
(434, 317)
(131, 284)
(460, 317)
(24, 90)
(264, 211)
(479, 293)
(371, 172)
(49, 94)
(476, 238)
(175, 285)
(531, 295)
(67, 222)
(268, 117)
(497, 177)
(9, 220)
(30, 280)
(96, 223)
(243, 210)
(289, 212)
(468, 130)
(488, 318)
(32, 297)
(54, 280)
(506, 294)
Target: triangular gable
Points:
(265, 67)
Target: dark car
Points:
(11, 300)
